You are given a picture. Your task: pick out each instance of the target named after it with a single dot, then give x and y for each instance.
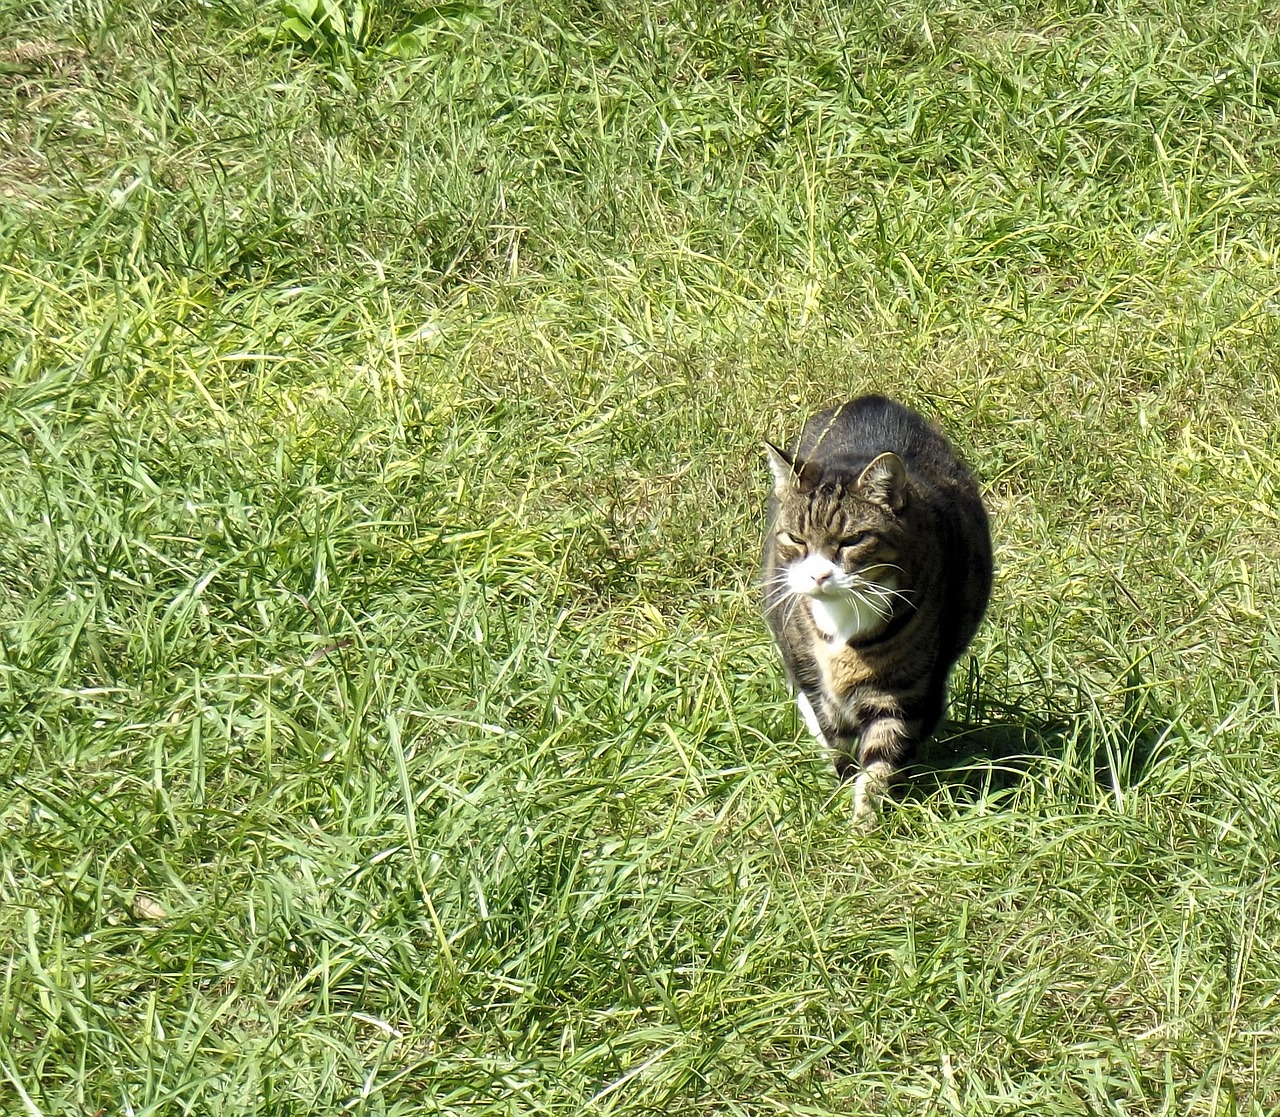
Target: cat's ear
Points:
(783, 467)
(884, 481)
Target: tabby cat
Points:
(877, 570)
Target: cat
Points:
(877, 572)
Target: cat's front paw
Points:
(869, 790)
(866, 819)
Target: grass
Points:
(386, 720)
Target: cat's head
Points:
(839, 539)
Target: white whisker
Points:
(886, 591)
(885, 566)
(874, 603)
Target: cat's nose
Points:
(822, 578)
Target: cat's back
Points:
(845, 438)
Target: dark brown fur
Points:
(877, 695)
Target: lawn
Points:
(387, 722)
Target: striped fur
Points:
(877, 571)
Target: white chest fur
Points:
(843, 618)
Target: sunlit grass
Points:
(386, 720)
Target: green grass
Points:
(387, 725)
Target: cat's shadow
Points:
(971, 760)
(980, 759)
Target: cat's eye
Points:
(791, 540)
(854, 540)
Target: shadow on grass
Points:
(998, 747)
(980, 758)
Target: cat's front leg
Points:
(810, 715)
(839, 738)
(869, 789)
(844, 749)
(887, 743)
